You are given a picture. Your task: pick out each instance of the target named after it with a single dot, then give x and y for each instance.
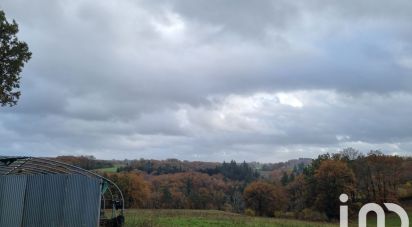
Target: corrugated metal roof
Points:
(31, 165)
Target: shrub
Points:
(227, 207)
(288, 215)
(250, 212)
(313, 215)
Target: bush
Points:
(250, 212)
(228, 208)
(288, 215)
(405, 191)
(312, 215)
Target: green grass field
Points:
(392, 220)
(206, 218)
(202, 218)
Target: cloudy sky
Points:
(211, 79)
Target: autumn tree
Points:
(285, 178)
(13, 55)
(136, 190)
(333, 177)
(350, 154)
(264, 198)
(235, 198)
(382, 174)
(308, 192)
(297, 193)
(189, 190)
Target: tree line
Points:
(304, 191)
(85, 162)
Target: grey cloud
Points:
(244, 17)
(106, 77)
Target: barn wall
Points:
(12, 191)
(49, 200)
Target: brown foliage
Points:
(333, 177)
(136, 190)
(380, 175)
(297, 192)
(188, 190)
(264, 198)
(309, 192)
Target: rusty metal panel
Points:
(12, 192)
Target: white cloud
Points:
(290, 100)
(171, 26)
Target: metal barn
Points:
(39, 192)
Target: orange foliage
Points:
(189, 190)
(264, 198)
(135, 189)
(333, 177)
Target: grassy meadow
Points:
(205, 218)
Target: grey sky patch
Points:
(211, 80)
